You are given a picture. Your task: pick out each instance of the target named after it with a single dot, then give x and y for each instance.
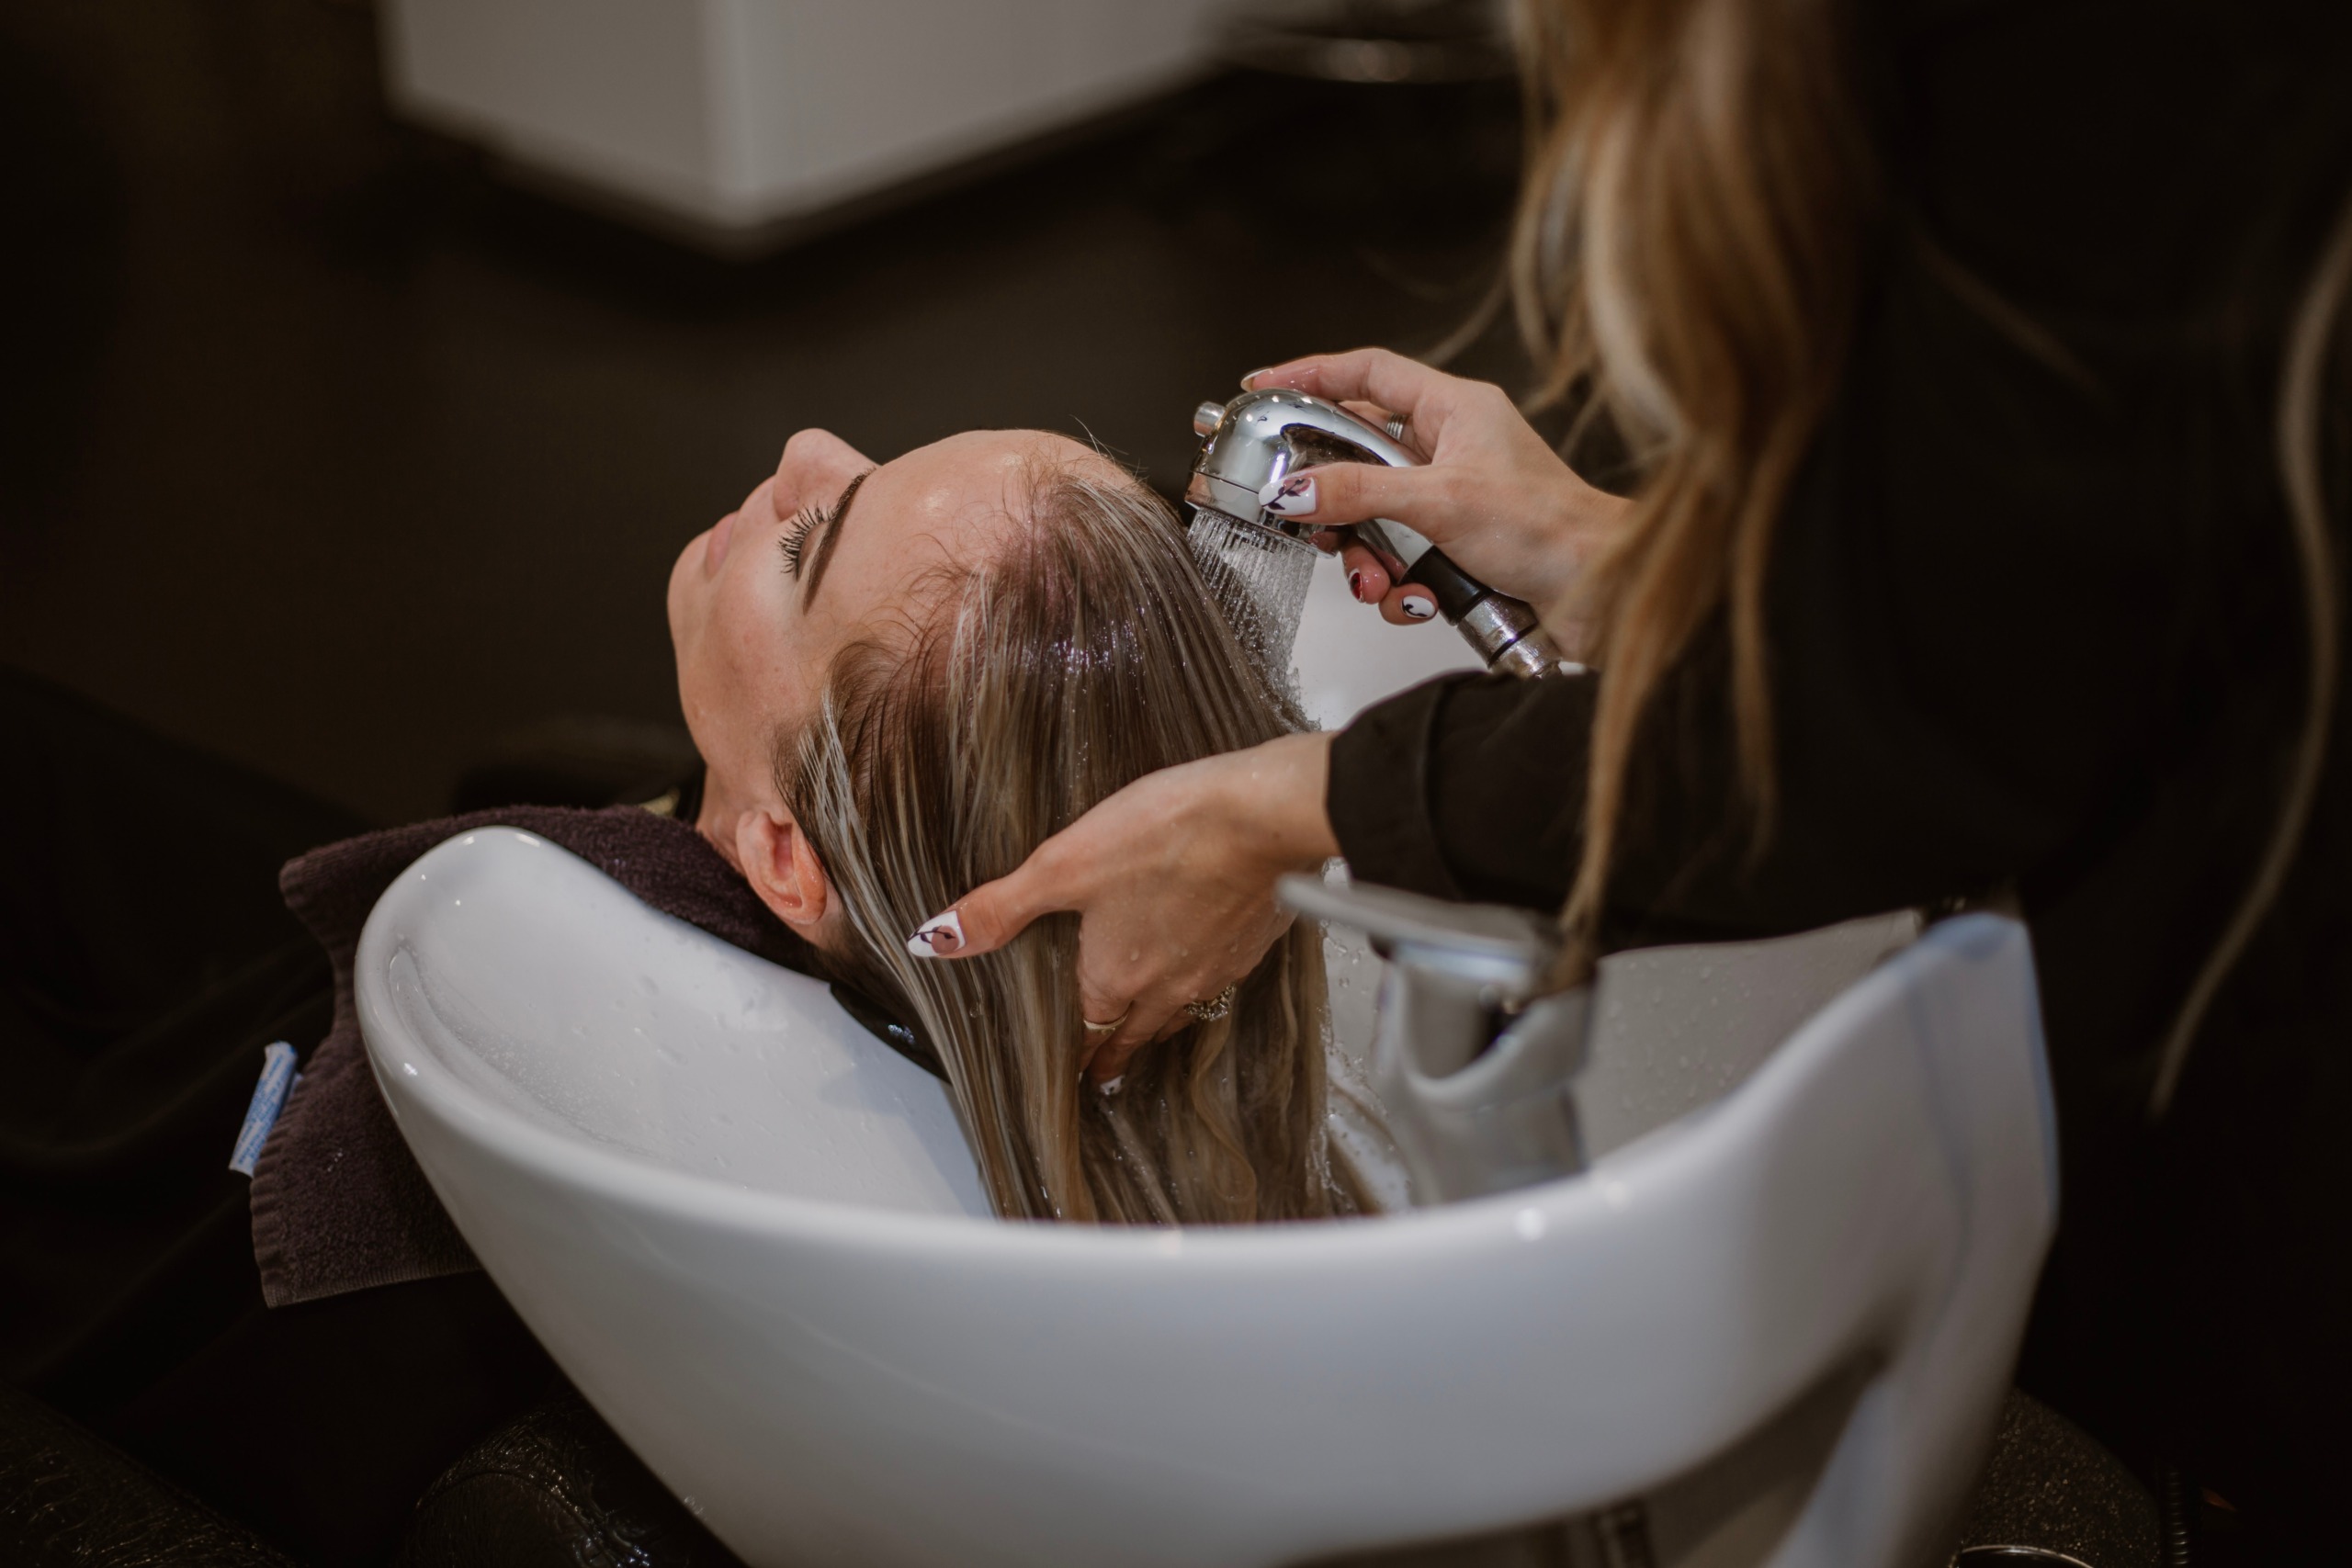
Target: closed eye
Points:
(797, 532)
(822, 527)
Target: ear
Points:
(783, 869)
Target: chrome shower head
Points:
(1258, 438)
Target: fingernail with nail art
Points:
(942, 936)
(1419, 608)
(1110, 1086)
(1291, 497)
(1355, 586)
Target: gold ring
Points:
(1105, 1030)
(1215, 1008)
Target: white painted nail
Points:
(1291, 497)
(1112, 1086)
(1419, 608)
(941, 936)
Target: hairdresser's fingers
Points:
(1148, 1024)
(995, 912)
(1367, 574)
(1387, 420)
(1336, 542)
(1341, 493)
(1102, 1002)
(1410, 605)
(1370, 580)
(1424, 396)
(1111, 1061)
(1141, 1023)
(1158, 976)
(1168, 1009)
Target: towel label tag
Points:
(278, 1076)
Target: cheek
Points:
(688, 613)
(703, 715)
(737, 676)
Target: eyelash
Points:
(796, 534)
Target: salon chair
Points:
(558, 1488)
(1777, 1328)
(68, 1498)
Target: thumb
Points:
(1339, 494)
(987, 917)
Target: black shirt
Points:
(2036, 623)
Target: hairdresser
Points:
(1985, 539)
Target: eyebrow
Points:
(831, 525)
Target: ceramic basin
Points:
(752, 1236)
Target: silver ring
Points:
(1396, 427)
(1215, 1008)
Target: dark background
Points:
(325, 450)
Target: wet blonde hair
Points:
(1081, 655)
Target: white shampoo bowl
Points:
(751, 1234)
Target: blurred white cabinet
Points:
(739, 118)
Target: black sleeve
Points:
(1468, 788)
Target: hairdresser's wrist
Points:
(1581, 520)
(1269, 802)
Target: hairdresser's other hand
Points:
(1174, 880)
(1496, 497)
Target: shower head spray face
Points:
(1260, 575)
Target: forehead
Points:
(954, 497)
(980, 471)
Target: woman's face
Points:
(760, 604)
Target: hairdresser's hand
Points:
(1494, 494)
(1173, 879)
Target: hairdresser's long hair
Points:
(1087, 653)
(1691, 240)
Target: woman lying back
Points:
(902, 680)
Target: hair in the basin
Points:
(1082, 655)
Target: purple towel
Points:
(338, 1202)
